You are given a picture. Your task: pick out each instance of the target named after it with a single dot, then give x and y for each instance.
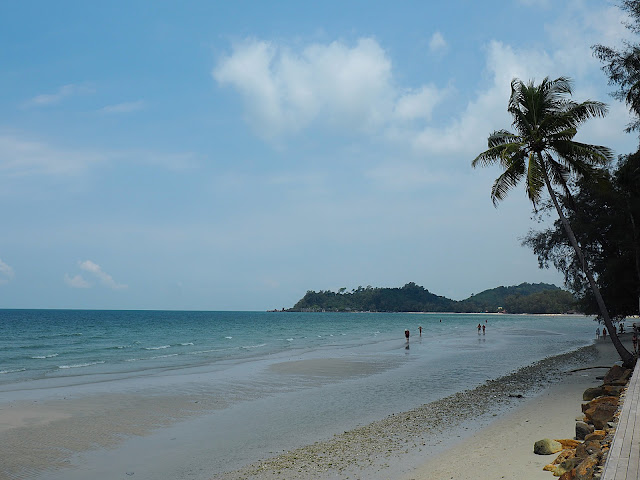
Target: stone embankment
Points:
(583, 458)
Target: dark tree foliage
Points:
(524, 298)
(623, 66)
(605, 215)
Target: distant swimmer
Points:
(420, 330)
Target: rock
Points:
(586, 449)
(612, 390)
(616, 373)
(568, 442)
(546, 446)
(583, 429)
(593, 392)
(601, 410)
(585, 470)
(570, 475)
(596, 435)
(564, 455)
(565, 467)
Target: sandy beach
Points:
(485, 432)
(504, 449)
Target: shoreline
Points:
(395, 447)
(504, 449)
(391, 448)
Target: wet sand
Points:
(486, 432)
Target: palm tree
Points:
(543, 153)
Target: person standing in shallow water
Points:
(479, 328)
(420, 330)
(406, 334)
(483, 328)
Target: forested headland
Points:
(534, 298)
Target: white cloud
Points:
(334, 85)
(418, 104)
(21, 156)
(76, 281)
(104, 277)
(47, 99)
(125, 107)
(6, 273)
(437, 43)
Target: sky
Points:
(204, 155)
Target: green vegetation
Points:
(524, 298)
(545, 155)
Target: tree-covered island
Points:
(523, 298)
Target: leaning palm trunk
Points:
(543, 151)
(628, 360)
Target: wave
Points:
(79, 365)
(229, 338)
(158, 348)
(16, 370)
(247, 347)
(164, 356)
(46, 356)
(58, 335)
(186, 344)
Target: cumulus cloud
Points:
(336, 85)
(437, 43)
(47, 99)
(353, 87)
(125, 107)
(6, 273)
(78, 281)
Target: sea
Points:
(279, 379)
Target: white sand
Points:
(504, 449)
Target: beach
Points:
(504, 449)
(338, 410)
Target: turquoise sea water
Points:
(51, 344)
(260, 371)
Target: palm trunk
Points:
(628, 360)
(635, 245)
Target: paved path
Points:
(623, 461)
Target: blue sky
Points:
(233, 155)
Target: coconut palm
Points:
(543, 153)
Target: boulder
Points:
(613, 390)
(601, 410)
(566, 466)
(596, 435)
(589, 448)
(568, 442)
(570, 475)
(593, 392)
(583, 429)
(585, 470)
(546, 446)
(616, 373)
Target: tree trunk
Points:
(628, 360)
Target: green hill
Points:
(523, 298)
